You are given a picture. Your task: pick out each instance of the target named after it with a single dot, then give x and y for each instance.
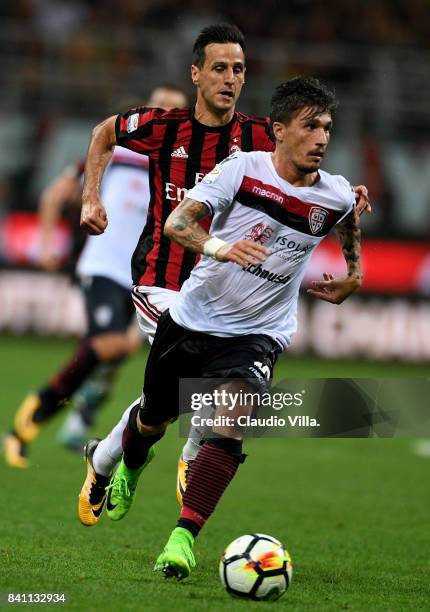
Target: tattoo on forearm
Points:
(179, 224)
(183, 226)
(349, 234)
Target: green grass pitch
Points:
(354, 514)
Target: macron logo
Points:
(265, 193)
(180, 152)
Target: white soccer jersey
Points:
(251, 201)
(125, 195)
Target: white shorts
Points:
(150, 303)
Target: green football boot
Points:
(177, 558)
(120, 492)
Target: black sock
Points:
(50, 404)
(65, 383)
(136, 446)
(190, 525)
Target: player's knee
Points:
(110, 347)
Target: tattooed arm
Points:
(349, 235)
(336, 290)
(182, 226)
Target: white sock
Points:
(109, 451)
(74, 425)
(190, 450)
(197, 435)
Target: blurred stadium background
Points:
(64, 66)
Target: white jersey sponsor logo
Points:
(317, 217)
(173, 192)
(265, 193)
(289, 250)
(267, 274)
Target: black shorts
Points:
(179, 353)
(108, 305)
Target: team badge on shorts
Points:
(103, 315)
(317, 217)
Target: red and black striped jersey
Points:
(181, 151)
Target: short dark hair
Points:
(219, 33)
(298, 93)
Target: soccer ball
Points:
(256, 566)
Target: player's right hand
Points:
(242, 252)
(93, 217)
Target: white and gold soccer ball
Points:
(256, 566)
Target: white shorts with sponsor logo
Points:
(150, 303)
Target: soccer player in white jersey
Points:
(237, 311)
(218, 68)
(105, 277)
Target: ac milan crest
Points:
(317, 217)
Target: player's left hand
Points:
(362, 202)
(334, 290)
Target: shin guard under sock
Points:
(136, 446)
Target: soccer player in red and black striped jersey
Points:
(182, 146)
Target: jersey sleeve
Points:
(263, 140)
(135, 130)
(219, 187)
(346, 195)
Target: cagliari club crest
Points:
(317, 217)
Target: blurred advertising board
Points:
(20, 238)
(375, 327)
(390, 267)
